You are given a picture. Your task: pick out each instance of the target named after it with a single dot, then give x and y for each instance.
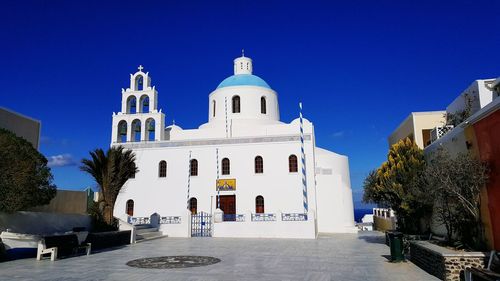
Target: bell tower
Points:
(139, 119)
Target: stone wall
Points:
(444, 263)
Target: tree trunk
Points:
(108, 214)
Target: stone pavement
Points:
(340, 257)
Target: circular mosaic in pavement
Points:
(173, 262)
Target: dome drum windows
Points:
(236, 105)
(293, 165)
(263, 108)
(226, 166)
(259, 165)
(162, 169)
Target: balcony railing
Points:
(263, 217)
(293, 217)
(439, 132)
(170, 220)
(234, 217)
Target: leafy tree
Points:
(454, 184)
(394, 184)
(110, 170)
(25, 179)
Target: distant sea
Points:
(359, 213)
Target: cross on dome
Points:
(140, 67)
(242, 52)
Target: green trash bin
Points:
(396, 245)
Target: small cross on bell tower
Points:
(140, 68)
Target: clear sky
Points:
(359, 67)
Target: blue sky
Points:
(359, 67)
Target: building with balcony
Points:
(244, 173)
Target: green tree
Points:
(110, 170)
(454, 185)
(25, 178)
(394, 184)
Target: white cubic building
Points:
(241, 174)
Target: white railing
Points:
(139, 220)
(263, 217)
(170, 220)
(439, 132)
(293, 217)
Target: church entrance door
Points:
(228, 206)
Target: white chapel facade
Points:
(248, 173)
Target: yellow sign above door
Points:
(225, 184)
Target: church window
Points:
(129, 209)
(194, 167)
(162, 169)
(293, 165)
(139, 83)
(131, 105)
(144, 104)
(136, 130)
(263, 105)
(259, 165)
(122, 131)
(213, 108)
(193, 205)
(259, 204)
(225, 166)
(236, 104)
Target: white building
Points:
(255, 156)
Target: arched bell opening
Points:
(150, 129)
(131, 105)
(136, 130)
(122, 131)
(144, 104)
(139, 83)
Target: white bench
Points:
(64, 244)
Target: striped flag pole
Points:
(189, 180)
(225, 108)
(218, 191)
(303, 160)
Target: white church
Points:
(244, 173)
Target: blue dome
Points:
(243, 80)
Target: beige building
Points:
(21, 125)
(418, 126)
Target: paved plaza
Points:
(340, 257)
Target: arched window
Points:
(193, 205)
(259, 204)
(131, 105)
(129, 209)
(162, 169)
(194, 167)
(132, 176)
(136, 130)
(122, 131)
(150, 129)
(259, 165)
(226, 166)
(263, 105)
(293, 165)
(139, 83)
(213, 108)
(144, 104)
(236, 104)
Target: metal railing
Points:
(263, 217)
(170, 220)
(234, 217)
(293, 217)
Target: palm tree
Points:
(110, 170)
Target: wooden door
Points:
(228, 205)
